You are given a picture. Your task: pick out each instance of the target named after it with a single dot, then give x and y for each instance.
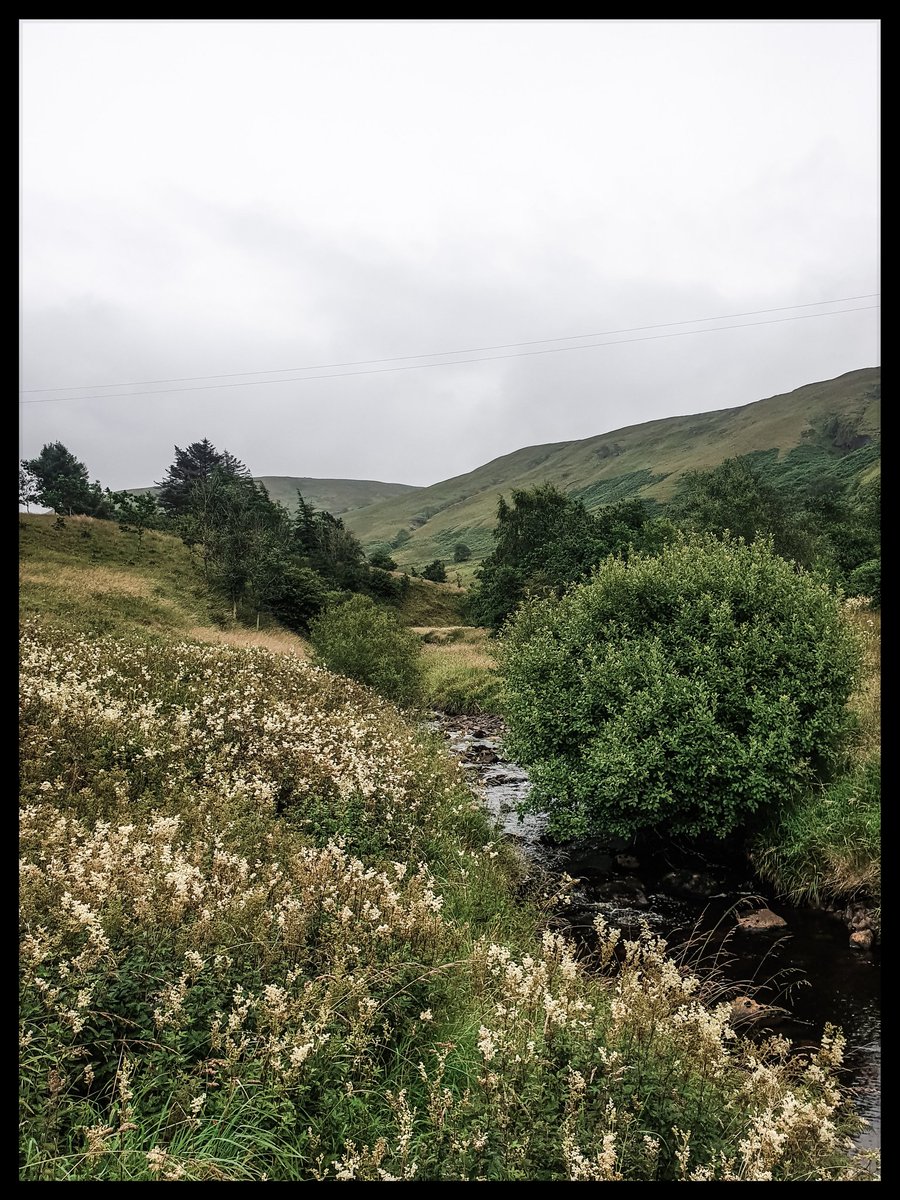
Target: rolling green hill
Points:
(336, 496)
(827, 428)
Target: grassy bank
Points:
(459, 670)
(89, 575)
(431, 604)
(829, 847)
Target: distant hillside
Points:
(827, 428)
(336, 496)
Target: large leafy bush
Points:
(682, 692)
(366, 642)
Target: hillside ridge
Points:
(830, 426)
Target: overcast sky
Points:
(219, 198)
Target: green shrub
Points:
(435, 571)
(866, 581)
(381, 558)
(683, 692)
(366, 642)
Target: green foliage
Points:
(365, 642)
(866, 581)
(461, 552)
(194, 465)
(814, 464)
(733, 497)
(684, 692)
(295, 594)
(819, 519)
(610, 490)
(136, 512)
(546, 540)
(329, 547)
(435, 571)
(241, 536)
(542, 540)
(384, 586)
(382, 559)
(849, 527)
(56, 479)
(254, 553)
(258, 555)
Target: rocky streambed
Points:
(781, 967)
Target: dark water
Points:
(805, 973)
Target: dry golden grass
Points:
(458, 646)
(153, 586)
(460, 654)
(90, 580)
(278, 640)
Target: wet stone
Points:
(763, 918)
(481, 755)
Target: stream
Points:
(800, 975)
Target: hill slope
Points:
(828, 427)
(90, 577)
(336, 496)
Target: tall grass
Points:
(828, 846)
(460, 673)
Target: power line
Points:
(366, 362)
(456, 362)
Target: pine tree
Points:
(195, 463)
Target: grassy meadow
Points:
(459, 669)
(268, 932)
